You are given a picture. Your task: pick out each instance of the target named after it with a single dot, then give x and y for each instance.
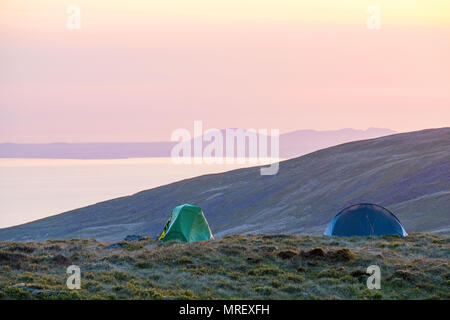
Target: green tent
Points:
(186, 223)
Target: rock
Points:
(19, 285)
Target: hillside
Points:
(407, 173)
(235, 267)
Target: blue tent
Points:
(365, 219)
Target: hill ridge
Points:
(408, 173)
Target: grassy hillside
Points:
(256, 267)
(408, 174)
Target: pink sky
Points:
(136, 72)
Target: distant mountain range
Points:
(408, 173)
(292, 144)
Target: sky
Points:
(137, 70)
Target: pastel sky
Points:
(139, 69)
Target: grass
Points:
(235, 267)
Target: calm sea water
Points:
(31, 189)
